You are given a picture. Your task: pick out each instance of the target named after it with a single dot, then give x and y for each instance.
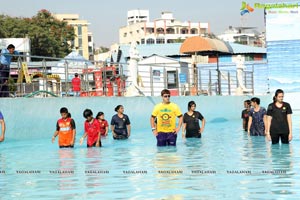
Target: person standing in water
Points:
(191, 127)
(166, 113)
(91, 130)
(245, 114)
(103, 124)
(2, 122)
(65, 129)
(279, 120)
(120, 124)
(257, 118)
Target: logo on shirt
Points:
(166, 117)
(165, 110)
(166, 120)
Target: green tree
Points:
(179, 40)
(101, 50)
(49, 36)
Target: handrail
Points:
(39, 92)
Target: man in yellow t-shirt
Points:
(165, 128)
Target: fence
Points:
(52, 77)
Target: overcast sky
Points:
(106, 17)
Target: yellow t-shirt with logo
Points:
(166, 115)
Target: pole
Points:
(66, 77)
(219, 76)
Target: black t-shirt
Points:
(279, 123)
(192, 121)
(245, 116)
(120, 124)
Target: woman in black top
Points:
(120, 124)
(279, 120)
(191, 127)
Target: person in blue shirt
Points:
(2, 122)
(5, 59)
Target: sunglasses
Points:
(166, 96)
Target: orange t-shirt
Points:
(65, 131)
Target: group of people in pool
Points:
(163, 123)
(275, 123)
(94, 128)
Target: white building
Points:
(158, 72)
(163, 30)
(136, 16)
(243, 35)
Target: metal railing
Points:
(52, 77)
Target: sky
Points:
(106, 17)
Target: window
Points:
(79, 30)
(184, 31)
(160, 31)
(170, 31)
(160, 41)
(150, 41)
(150, 30)
(194, 31)
(80, 42)
(172, 79)
(142, 41)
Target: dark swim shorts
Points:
(166, 139)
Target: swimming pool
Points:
(224, 164)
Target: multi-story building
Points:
(81, 41)
(243, 35)
(166, 29)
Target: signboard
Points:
(182, 78)
(283, 41)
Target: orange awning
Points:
(201, 45)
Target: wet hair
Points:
(248, 102)
(99, 114)
(87, 113)
(190, 104)
(165, 91)
(256, 100)
(64, 110)
(11, 46)
(118, 107)
(278, 91)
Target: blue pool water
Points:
(224, 164)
